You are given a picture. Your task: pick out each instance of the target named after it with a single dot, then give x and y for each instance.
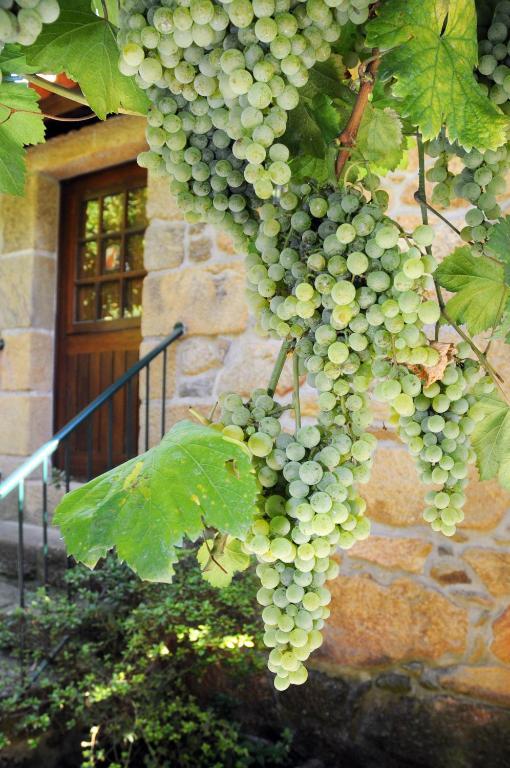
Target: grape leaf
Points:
(479, 287)
(430, 49)
(491, 438)
(84, 46)
(324, 105)
(194, 478)
(220, 561)
(498, 244)
(380, 141)
(321, 170)
(17, 129)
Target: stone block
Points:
(486, 503)
(25, 422)
(92, 148)
(449, 573)
(394, 494)
(393, 553)
(249, 364)
(197, 355)
(491, 683)
(33, 222)
(156, 370)
(371, 624)
(164, 244)
(209, 300)
(200, 242)
(174, 412)
(501, 637)
(160, 202)
(26, 362)
(492, 567)
(197, 386)
(27, 291)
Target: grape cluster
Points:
(245, 57)
(494, 57)
(481, 179)
(187, 141)
(22, 21)
(308, 507)
(328, 265)
(438, 436)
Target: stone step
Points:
(33, 551)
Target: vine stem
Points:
(347, 138)
(295, 379)
(278, 367)
(12, 111)
(421, 197)
(73, 94)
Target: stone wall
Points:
(412, 611)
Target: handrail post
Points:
(21, 544)
(45, 522)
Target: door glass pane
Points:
(113, 213)
(134, 253)
(86, 303)
(136, 215)
(133, 305)
(87, 259)
(111, 255)
(110, 301)
(90, 218)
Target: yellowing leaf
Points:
(221, 559)
(147, 506)
(479, 287)
(380, 141)
(430, 50)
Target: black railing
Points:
(41, 457)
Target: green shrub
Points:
(150, 675)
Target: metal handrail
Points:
(45, 451)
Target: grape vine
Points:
(274, 121)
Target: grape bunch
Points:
(308, 508)
(247, 57)
(480, 181)
(494, 57)
(438, 436)
(330, 263)
(22, 21)
(187, 142)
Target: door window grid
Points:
(110, 271)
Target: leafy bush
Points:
(147, 672)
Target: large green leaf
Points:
(83, 45)
(430, 49)
(491, 438)
(194, 478)
(21, 123)
(479, 287)
(221, 559)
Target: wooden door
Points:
(99, 312)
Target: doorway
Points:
(101, 271)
